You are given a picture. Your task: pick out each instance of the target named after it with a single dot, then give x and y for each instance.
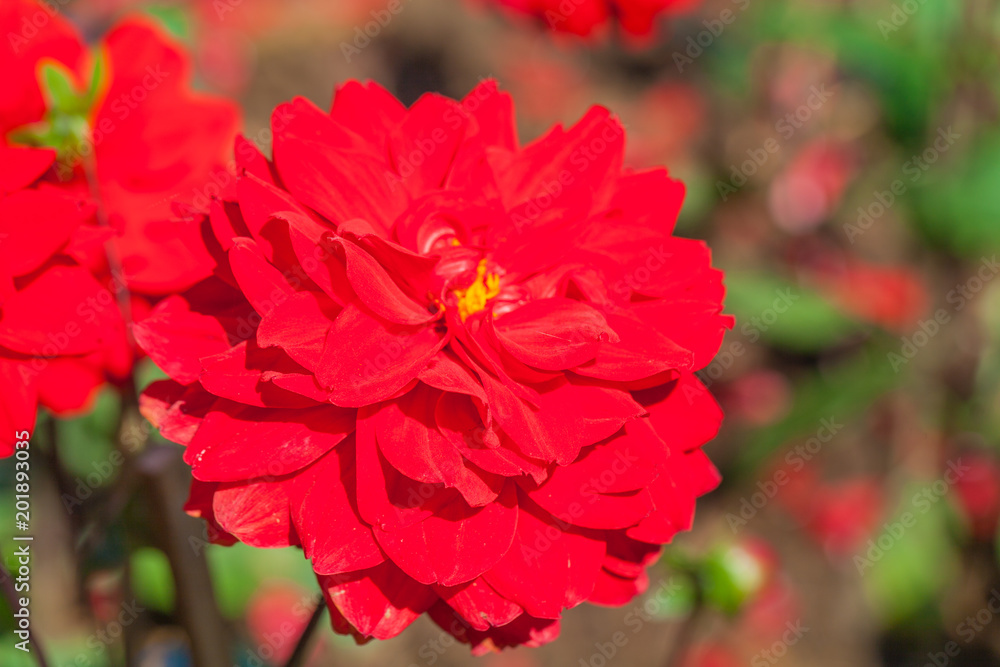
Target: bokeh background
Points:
(842, 159)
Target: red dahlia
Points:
(456, 370)
(586, 17)
(149, 141)
(47, 349)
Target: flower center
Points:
(473, 298)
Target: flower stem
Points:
(685, 635)
(114, 262)
(299, 655)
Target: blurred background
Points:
(842, 159)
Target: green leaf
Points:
(87, 447)
(238, 571)
(784, 314)
(98, 78)
(839, 394)
(59, 88)
(957, 202)
(173, 18)
(908, 566)
(152, 579)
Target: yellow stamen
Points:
(473, 298)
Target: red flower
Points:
(978, 495)
(151, 141)
(586, 17)
(455, 370)
(47, 350)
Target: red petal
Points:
(457, 544)
(446, 372)
(478, 604)
(249, 158)
(612, 590)
(176, 338)
(257, 442)
(260, 202)
(68, 386)
(299, 326)
(324, 508)
(303, 120)
(199, 505)
(423, 146)
(366, 359)
(554, 334)
(175, 409)
(541, 162)
(459, 422)
(705, 476)
(64, 311)
(569, 417)
(386, 498)
(379, 602)
(377, 290)
(263, 285)
(525, 630)
(684, 413)
(493, 111)
(339, 184)
(411, 443)
(237, 374)
(20, 167)
(255, 512)
(18, 404)
(549, 566)
(367, 109)
(641, 353)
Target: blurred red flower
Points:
(838, 515)
(587, 17)
(149, 140)
(893, 297)
(277, 615)
(808, 191)
(456, 370)
(978, 493)
(48, 352)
